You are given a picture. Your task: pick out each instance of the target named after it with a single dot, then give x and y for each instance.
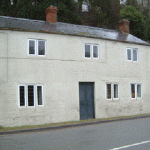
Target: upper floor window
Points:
(132, 54)
(91, 51)
(41, 47)
(36, 47)
(112, 91)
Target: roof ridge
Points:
(21, 18)
(89, 27)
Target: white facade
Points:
(59, 72)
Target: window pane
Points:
(41, 47)
(31, 47)
(108, 91)
(128, 54)
(115, 90)
(22, 95)
(30, 95)
(39, 95)
(134, 55)
(132, 90)
(139, 91)
(87, 51)
(95, 51)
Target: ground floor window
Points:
(39, 95)
(22, 95)
(135, 91)
(30, 95)
(112, 91)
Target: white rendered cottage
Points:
(55, 72)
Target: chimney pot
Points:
(124, 25)
(51, 14)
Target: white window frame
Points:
(117, 98)
(26, 95)
(36, 47)
(19, 95)
(131, 49)
(33, 95)
(127, 54)
(112, 91)
(141, 91)
(37, 95)
(136, 94)
(133, 55)
(91, 51)
(107, 92)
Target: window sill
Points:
(132, 61)
(30, 106)
(112, 99)
(40, 105)
(34, 55)
(136, 98)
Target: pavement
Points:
(72, 125)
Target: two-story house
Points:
(55, 72)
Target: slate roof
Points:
(21, 24)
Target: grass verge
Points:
(4, 129)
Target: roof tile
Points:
(66, 28)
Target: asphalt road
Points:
(120, 135)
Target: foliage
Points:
(35, 9)
(138, 24)
(132, 3)
(104, 13)
(142, 5)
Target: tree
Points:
(132, 3)
(104, 13)
(138, 24)
(35, 9)
(67, 12)
(145, 8)
(4, 6)
(142, 5)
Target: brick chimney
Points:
(51, 14)
(124, 25)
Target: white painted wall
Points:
(60, 72)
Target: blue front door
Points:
(86, 97)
